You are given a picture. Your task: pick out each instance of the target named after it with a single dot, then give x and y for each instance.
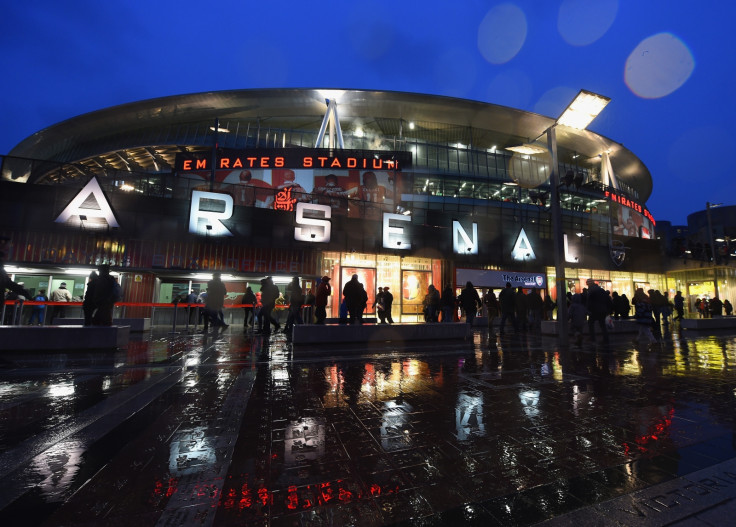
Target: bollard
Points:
(17, 313)
(176, 311)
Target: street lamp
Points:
(579, 114)
(708, 206)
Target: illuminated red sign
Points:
(284, 201)
(295, 158)
(626, 202)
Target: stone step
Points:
(68, 338)
(378, 333)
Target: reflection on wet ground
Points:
(230, 430)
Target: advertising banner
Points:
(498, 279)
(355, 184)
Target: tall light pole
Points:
(579, 113)
(708, 206)
(216, 129)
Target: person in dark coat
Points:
(716, 307)
(536, 307)
(269, 294)
(320, 300)
(249, 299)
(577, 314)
(470, 302)
(507, 302)
(88, 304)
(355, 299)
(379, 307)
(448, 303)
(431, 304)
(106, 293)
(521, 306)
(599, 306)
(625, 307)
(549, 307)
(214, 303)
(388, 300)
(679, 305)
(295, 298)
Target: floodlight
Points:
(583, 109)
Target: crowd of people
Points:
(100, 296)
(522, 312)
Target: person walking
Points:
(470, 302)
(431, 304)
(549, 306)
(353, 293)
(507, 303)
(536, 308)
(577, 314)
(191, 310)
(659, 306)
(388, 301)
(643, 316)
(269, 294)
(378, 306)
(599, 307)
(214, 303)
(106, 293)
(320, 300)
(521, 306)
(88, 304)
(625, 309)
(448, 304)
(295, 298)
(679, 302)
(249, 301)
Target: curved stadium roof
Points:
(145, 136)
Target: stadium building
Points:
(403, 189)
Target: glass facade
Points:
(406, 277)
(701, 283)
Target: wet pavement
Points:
(242, 430)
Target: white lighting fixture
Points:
(411, 125)
(126, 187)
(330, 94)
(220, 129)
(12, 269)
(511, 183)
(83, 272)
(527, 149)
(282, 279)
(583, 109)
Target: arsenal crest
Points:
(617, 251)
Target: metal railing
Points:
(20, 312)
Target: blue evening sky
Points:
(669, 66)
